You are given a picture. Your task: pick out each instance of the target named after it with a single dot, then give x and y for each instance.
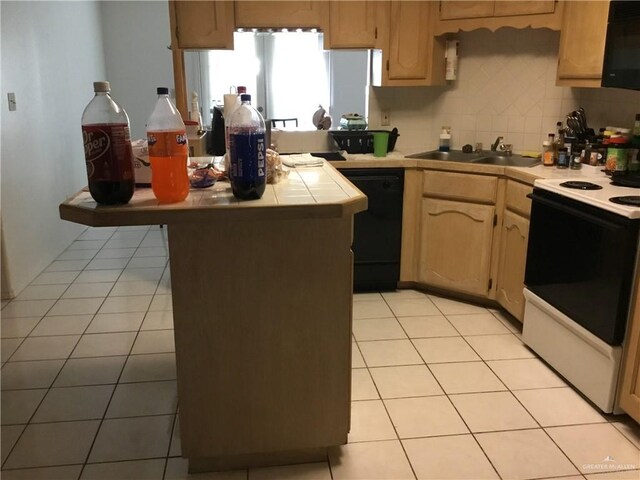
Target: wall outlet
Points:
(385, 118)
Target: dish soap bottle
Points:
(445, 139)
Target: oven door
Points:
(580, 260)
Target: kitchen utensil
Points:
(581, 119)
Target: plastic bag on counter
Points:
(276, 171)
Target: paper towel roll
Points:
(231, 102)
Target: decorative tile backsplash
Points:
(505, 87)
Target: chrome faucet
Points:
(498, 145)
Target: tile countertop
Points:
(318, 192)
(523, 174)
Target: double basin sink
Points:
(486, 158)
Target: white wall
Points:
(506, 86)
(51, 54)
(136, 36)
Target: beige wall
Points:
(505, 86)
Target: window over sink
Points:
(288, 75)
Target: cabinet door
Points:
(630, 385)
(503, 9)
(353, 24)
(282, 14)
(409, 35)
(513, 257)
(203, 24)
(582, 39)
(455, 245)
(452, 9)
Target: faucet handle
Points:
(507, 148)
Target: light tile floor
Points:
(442, 389)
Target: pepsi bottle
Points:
(247, 151)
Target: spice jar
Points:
(617, 154)
(563, 158)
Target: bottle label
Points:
(167, 143)
(107, 152)
(247, 157)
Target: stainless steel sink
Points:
(486, 158)
(507, 160)
(450, 156)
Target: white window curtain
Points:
(287, 73)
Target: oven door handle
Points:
(608, 224)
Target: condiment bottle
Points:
(563, 158)
(168, 151)
(445, 139)
(107, 148)
(548, 157)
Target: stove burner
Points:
(581, 185)
(633, 200)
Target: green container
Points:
(380, 144)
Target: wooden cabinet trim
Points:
(629, 392)
(514, 16)
(460, 186)
(516, 198)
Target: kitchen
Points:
(417, 112)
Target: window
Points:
(288, 75)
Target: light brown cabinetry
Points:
(457, 225)
(582, 39)
(457, 15)
(412, 56)
(202, 24)
(629, 394)
(514, 235)
(353, 24)
(282, 14)
(455, 245)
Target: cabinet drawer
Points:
(476, 188)
(516, 197)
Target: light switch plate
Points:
(12, 101)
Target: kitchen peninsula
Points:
(262, 314)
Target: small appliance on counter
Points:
(353, 121)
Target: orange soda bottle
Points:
(168, 151)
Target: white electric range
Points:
(581, 267)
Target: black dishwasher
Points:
(377, 232)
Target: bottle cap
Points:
(101, 87)
(245, 97)
(163, 91)
(241, 90)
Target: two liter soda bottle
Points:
(168, 151)
(107, 148)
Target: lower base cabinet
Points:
(513, 254)
(629, 395)
(455, 245)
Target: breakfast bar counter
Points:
(262, 314)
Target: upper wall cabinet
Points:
(282, 14)
(457, 15)
(353, 24)
(202, 24)
(582, 40)
(412, 55)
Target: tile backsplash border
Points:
(505, 87)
